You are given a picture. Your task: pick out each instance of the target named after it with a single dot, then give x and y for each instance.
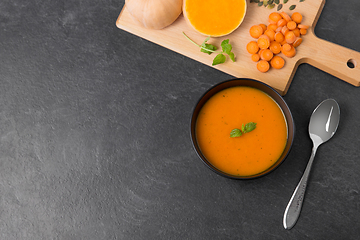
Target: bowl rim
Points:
(235, 82)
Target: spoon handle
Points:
(293, 208)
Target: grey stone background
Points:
(94, 136)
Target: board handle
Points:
(334, 59)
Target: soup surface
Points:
(252, 152)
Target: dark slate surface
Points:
(94, 136)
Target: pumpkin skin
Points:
(213, 17)
(154, 14)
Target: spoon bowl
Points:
(323, 125)
(324, 121)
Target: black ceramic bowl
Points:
(254, 84)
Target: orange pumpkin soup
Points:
(252, 152)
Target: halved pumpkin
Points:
(154, 14)
(213, 17)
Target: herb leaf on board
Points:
(220, 58)
(226, 47)
(209, 48)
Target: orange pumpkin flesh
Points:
(214, 18)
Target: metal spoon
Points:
(323, 124)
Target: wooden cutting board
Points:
(334, 59)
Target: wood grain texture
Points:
(320, 53)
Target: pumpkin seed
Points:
(271, 6)
(272, 3)
(292, 7)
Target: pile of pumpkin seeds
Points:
(272, 3)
